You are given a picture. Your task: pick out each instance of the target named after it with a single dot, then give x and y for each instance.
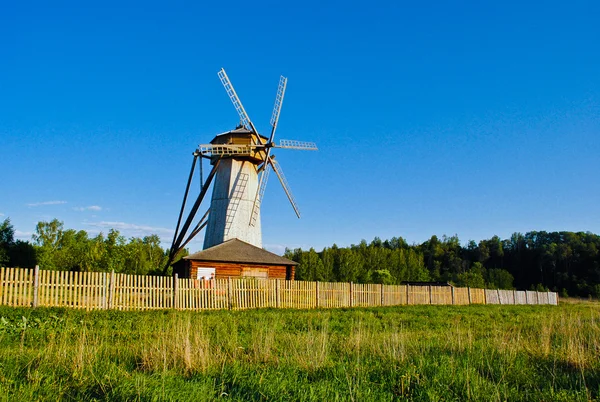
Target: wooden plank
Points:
(59, 287)
(41, 289)
(47, 288)
(19, 287)
(78, 289)
(11, 280)
(86, 301)
(50, 288)
(3, 286)
(119, 291)
(83, 291)
(25, 286)
(65, 289)
(54, 279)
(127, 292)
(15, 292)
(36, 285)
(26, 283)
(14, 286)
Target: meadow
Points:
(423, 353)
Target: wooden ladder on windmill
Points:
(234, 203)
(259, 196)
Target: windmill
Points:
(241, 161)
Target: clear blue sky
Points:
(475, 119)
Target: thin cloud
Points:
(38, 204)
(90, 208)
(275, 248)
(132, 229)
(1, 214)
(23, 235)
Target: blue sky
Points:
(472, 118)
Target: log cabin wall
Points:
(236, 270)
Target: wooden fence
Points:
(102, 290)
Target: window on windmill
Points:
(205, 273)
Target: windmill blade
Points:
(277, 107)
(265, 174)
(236, 101)
(293, 144)
(284, 184)
(260, 192)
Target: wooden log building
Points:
(235, 258)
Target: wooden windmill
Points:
(241, 160)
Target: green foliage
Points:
(14, 253)
(7, 236)
(557, 260)
(471, 279)
(57, 248)
(499, 279)
(383, 276)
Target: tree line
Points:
(565, 262)
(55, 248)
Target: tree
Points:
(471, 279)
(310, 266)
(348, 264)
(7, 240)
(499, 279)
(22, 254)
(382, 276)
(47, 240)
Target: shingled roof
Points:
(235, 250)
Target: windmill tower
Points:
(241, 161)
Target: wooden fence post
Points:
(498, 293)
(111, 290)
(430, 294)
(277, 293)
(175, 291)
(229, 294)
(104, 291)
(514, 296)
(351, 294)
(407, 294)
(317, 294)
(452, 291)
(36, 284)
(469, 293)
(382, 295)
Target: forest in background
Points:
(564, 262)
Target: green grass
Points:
(403, 353)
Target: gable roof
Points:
(235, 250)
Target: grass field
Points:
(413, 352)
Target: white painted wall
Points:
(228, 200)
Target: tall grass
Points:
(410, 352)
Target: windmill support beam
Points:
(176, 247)
(185, 195)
